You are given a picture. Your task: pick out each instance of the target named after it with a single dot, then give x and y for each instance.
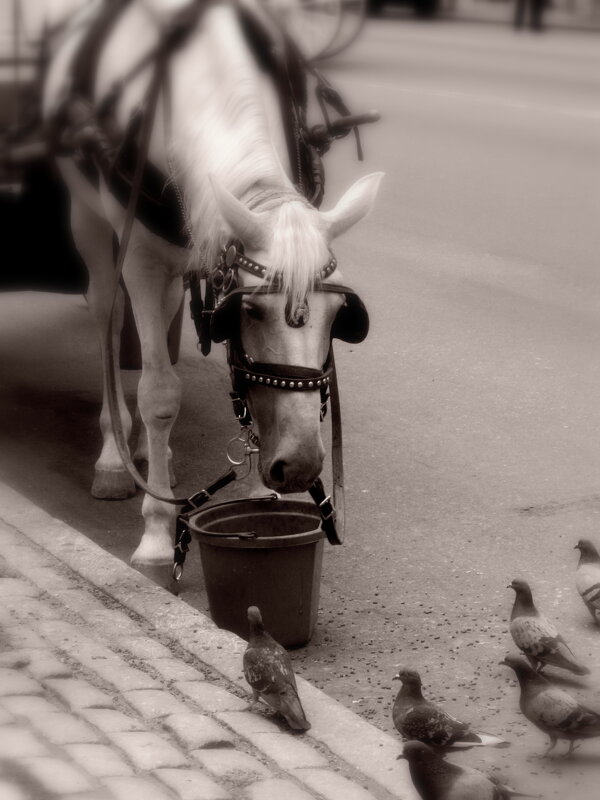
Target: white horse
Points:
(220, 136)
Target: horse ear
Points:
(246, 225)
(355, 204)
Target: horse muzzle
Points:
(293, 467)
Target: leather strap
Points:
(150, 105)
(333, 517)
(337, 460)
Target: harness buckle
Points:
(327, 509)
(240, 410)
(198, 499)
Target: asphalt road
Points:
(471, 413)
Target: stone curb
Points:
(363, 747)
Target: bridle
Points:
(217, 319)
(351, 324)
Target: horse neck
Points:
(225, 120)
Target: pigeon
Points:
(435, 778)
(587, 577)
(536, 637)
(418, 718)
(268, 670)
(551, 709)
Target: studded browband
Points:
(224, 277)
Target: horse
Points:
(218, 137)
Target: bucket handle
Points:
(241, 534)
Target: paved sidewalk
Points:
(111, 688)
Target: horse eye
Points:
(254, 312)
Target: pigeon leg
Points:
(255, 699)
(553, 741)
(572, 748)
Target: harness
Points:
(135, 181)
(90, 126)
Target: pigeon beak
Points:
(401, 756)
(396, 677)
(576, 547)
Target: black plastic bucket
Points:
(265, 552)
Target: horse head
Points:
(292, 327)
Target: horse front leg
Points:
(140, 455)
(93, 237)
(155, 298)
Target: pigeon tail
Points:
(504, 792)
(561, 659)
(473, 739)
(290, 706)
(579, 669)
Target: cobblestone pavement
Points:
(113, 689)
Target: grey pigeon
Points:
(537, 637)
(551, 709)
(587, 577)
(268, 670)
(435, 778)
(418, 718)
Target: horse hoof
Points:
(113, 484)
(150, 553)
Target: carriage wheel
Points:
(313, 24)
(353, 16)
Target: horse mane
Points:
(299, 248)
(233, 120)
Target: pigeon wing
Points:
(550, 709)
(533, 635)
(268, 669)
(559, 653)
(581, 722)
(430, 724)
(587, 580)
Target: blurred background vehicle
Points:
(424, 9)
(321, 28)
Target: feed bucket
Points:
(264, 552)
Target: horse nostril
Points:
(277, 472)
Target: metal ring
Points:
(229, 281)
(236, 461)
